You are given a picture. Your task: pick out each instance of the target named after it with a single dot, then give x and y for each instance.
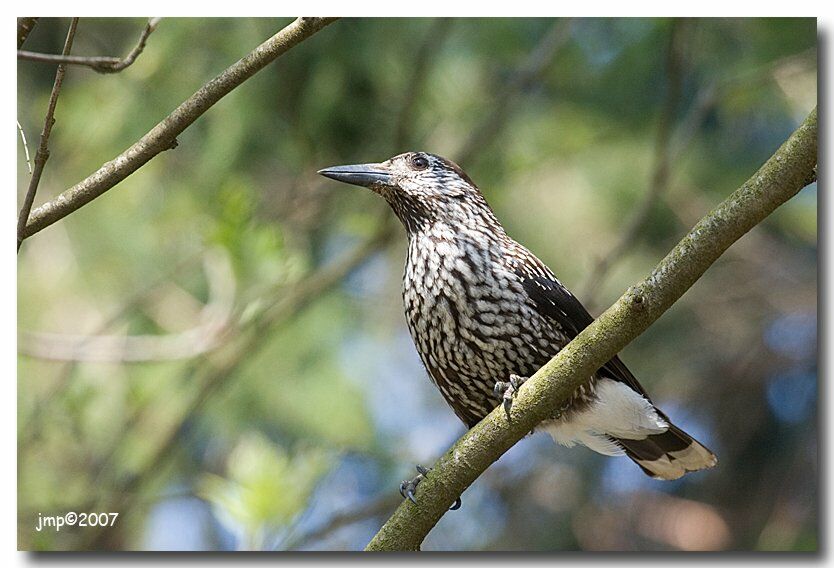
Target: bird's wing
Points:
(556, 302)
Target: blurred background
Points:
(216, 349)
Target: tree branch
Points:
(163, 136)
(98, 64)
(779, 179)
(42, 155)
(24, 27)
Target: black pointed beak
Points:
(366, 175)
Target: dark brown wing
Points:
(557, 303)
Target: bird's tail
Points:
(668, 455)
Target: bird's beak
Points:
(366, 175)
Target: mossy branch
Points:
(790, 169)
(163, 136)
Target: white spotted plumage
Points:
(482, 308)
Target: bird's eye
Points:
(419, 162)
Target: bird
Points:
(485, 313)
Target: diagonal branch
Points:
(42, 155)
(163, 136)
(99, 64)
(779, 179)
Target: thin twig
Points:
(43, 148)
(163, 136)
(25, 147)
(777, 181)
(24, 28)
(537, 62)
(99, 64)
(660, 174)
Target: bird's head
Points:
(422, 188)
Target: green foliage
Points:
(263, 488)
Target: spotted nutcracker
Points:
(485, 313)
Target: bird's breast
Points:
(468, 318)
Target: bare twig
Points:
(24, 27)
(537, 62)
(99, 64)
(778, 180)
(43, 148)
(660, 174)
(25, 147)
(163, 136)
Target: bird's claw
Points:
(507, 389)
(561, 411)
(408, 488)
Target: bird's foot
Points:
(506, 390)
(407, 488)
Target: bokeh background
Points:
(216, 348)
